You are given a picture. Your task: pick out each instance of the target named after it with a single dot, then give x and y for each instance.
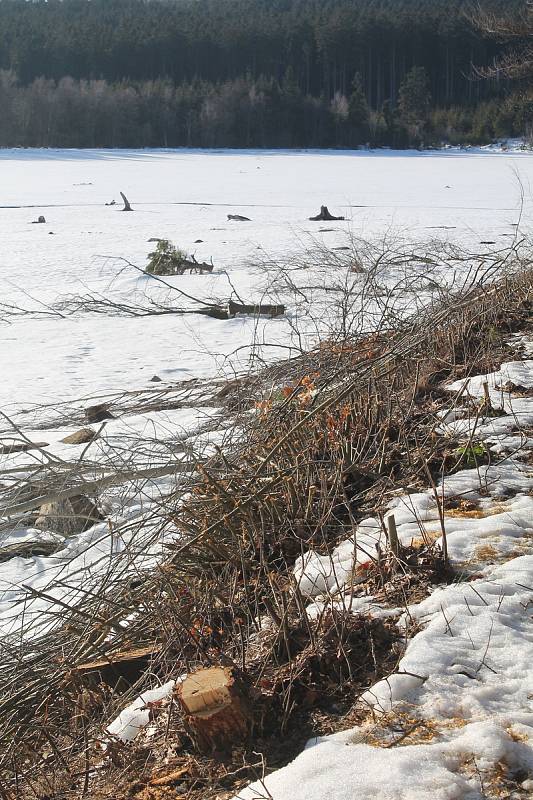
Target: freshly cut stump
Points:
(216, 706)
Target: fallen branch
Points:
(127, 206)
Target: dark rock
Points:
(98, 413)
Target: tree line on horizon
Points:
(250, 73)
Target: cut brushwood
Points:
(217, 708)
(324, 216)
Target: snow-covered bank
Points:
(455, 720)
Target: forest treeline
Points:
(249, 73)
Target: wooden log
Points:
(17, 446)
(324, 216)
(216, 312)
(123, 668)
(263, 309)
(216, 706)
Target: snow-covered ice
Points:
(185, 196)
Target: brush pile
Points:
(355, 422)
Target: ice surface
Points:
(185, 196)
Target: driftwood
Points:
(238, 218)
(127, 206)
(16, 446)
(263, 309)
(324, 216)
(216, 707)
(29, 549)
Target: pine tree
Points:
(414, 102)
(358, 111)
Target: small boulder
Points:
(68, 516)
(83, 436)
(98, 413)
(155, 379)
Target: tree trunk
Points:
(216, 707)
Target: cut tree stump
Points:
(217, 710)
(324, 216)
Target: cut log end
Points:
(216, 707)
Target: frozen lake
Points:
(185, 196)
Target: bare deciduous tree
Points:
(513, 28)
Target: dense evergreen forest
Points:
(245, 73)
